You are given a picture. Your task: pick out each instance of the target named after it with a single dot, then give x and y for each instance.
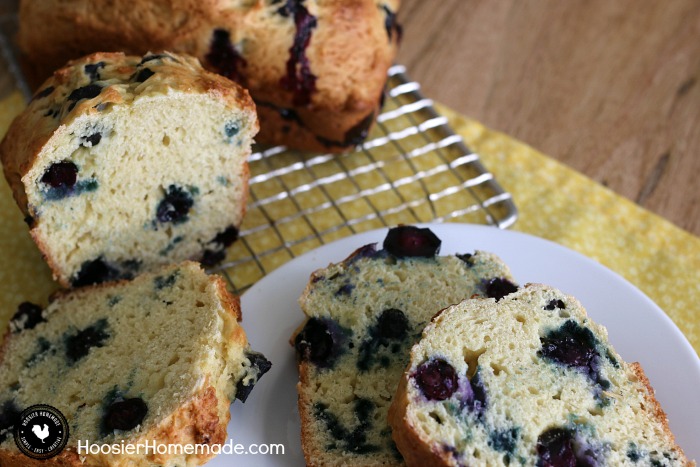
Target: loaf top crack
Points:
(124, 163)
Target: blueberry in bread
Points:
(316, 68)
(122, 164)
(528, 380)
(159, 358)
(363, 316)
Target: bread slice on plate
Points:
(121, 164)
(362, 317)
(528, 380)
(155, 360)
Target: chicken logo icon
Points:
(41, 431)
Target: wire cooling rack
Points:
(411, 169)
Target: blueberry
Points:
(393, 324)
(358, 133)
(9, 416)
(319, 342)
(212, 257)
(125, 414)
(467, 258)
(86, 92)
(162, 282)
(477, 400)
(504, 440)
(62, 174)
(499, 287)
(633, 453)
(299, 79)
(28, 315)
(555, 449)
(79, 344)
(175, 206)
(95, 272)
(227, 236)
(353, 440)
(93, 139)
(259, 365)
(231, 129)
(224, 57)
(289, 114)
(436, 379)
(392, 25)
(43, 93)
(390, 329)
(93, 70)
(410, 241)
(345, 289)
(553, 304)
(366, 251)
(354, 136)
(573, 346)
(42, 348)
(143, 75)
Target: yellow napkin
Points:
(554, 202)
(562, 205)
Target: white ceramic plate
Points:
(638, 329)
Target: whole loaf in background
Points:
(315, 68)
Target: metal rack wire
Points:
(411, 169)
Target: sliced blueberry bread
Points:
(316, 68)
(124, 163)
(363, 316)
(157, 359)
(529, 380)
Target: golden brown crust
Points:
(310, 452)
(349, 52)
(199, 421)
(232, 303)
(653, 407)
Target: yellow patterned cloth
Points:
(554, 202)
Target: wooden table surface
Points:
(610, 88)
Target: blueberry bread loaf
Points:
(316, 68)
(529, 380)
(123, 163)
(159, 358)
(363, 315)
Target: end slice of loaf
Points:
(123, 163)
(529, 380)
(363, 316)
(167, 342)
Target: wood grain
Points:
(610, 88)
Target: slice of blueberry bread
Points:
(529, 380)
(157, 359)
(316, 68)
(363, 316)
(124, 163)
